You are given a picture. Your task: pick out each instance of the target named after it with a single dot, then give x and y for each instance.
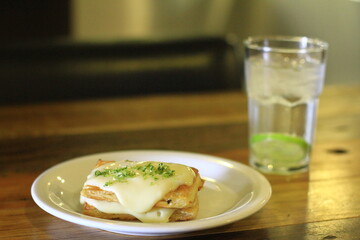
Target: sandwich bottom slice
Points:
(161, 214)
(180, 204)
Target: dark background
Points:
(184, 46)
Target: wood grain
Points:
(320, 204)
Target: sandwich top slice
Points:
(147, 191)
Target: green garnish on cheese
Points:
(145, 170)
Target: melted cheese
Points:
(138, 195)
(158, 215)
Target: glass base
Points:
(270, 169)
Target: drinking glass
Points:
(284, 78)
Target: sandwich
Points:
(144, 191)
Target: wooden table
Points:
(321, 204)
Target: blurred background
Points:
(80, 49)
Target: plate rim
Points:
(156, 229)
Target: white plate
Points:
(232, 191)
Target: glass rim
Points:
(257, 43)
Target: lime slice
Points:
(280, 148)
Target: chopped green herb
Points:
(146, 170)
(108, 183)
(118, 174)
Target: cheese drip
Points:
(140, 193)
(155, 215)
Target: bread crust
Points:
(181, 214)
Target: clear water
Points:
(292, 120)
(283, 98)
